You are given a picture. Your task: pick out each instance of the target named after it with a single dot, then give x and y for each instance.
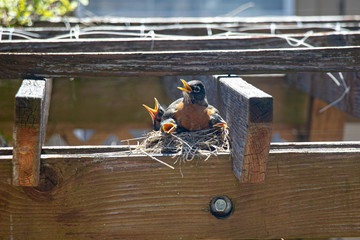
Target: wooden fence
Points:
(287, 190)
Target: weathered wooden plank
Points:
(31, 109)
(122, 31)
(307, 193)
(162, 63)
(327, 125)
(321, 86)
(327, 147)
(168, 44)
(274, 147)
(8, 151)
(248, 112)
(204, 29)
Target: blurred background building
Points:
(213, 8)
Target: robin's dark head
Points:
(194, 92)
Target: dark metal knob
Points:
(221, 207)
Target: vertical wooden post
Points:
(31, 112)
(249, 113)
(327, 125)
(321, 86)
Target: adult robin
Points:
(156, 114)
(191, 112)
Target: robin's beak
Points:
(168, 127)
(152, 111)
(186, 87)
(222, 124)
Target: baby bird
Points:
(156, 114)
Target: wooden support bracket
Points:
(248, 111)
(32, 103)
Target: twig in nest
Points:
(157, 159)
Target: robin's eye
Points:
(196, 89)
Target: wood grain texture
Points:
(327, 125)
(175, 44)
(162, 63)
(321, 86)
(138, 37)
(308, 192)
(248, 112)
(31, 110)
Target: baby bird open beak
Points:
(221, 124)
(153, 111)
(169, 127)
(186, 87)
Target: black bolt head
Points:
(221, 207)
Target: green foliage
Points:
(24, 12)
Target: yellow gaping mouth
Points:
(153, 111)
(186, 87)
(222, 124)
(168, 127)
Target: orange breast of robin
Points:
(192, 116)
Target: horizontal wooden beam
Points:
(7, 152)
(286, 147)
(198, 29)
(311, 190)
(176, 44)
(162, 63)
(31, 112)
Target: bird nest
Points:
(187, 145)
